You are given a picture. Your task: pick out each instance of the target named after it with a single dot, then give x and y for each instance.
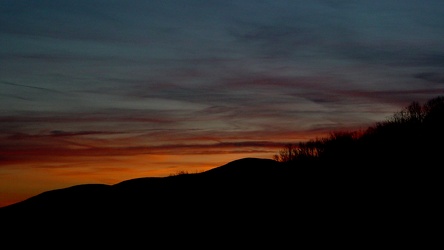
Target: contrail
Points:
(31, 87)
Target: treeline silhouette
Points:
(411, 137)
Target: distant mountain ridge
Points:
(250, 179)
(255, 197)
(389, 153)
(86, 196)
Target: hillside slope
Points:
(247, 200)
(228, 180)
(259, 184)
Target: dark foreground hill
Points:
(250, 183)
(239, 184)
(151, 193)
(246, 198)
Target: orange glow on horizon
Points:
(44, 176)
(31, 165)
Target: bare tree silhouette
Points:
(414, 134)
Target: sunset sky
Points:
(108, 90)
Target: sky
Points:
(106, 91)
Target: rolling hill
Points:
(248, 202)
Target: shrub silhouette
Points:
(412, 135)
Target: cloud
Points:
(41, 148)
(432, 77)
(114, 72)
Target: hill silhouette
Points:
(244, 179)
(387, 175)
